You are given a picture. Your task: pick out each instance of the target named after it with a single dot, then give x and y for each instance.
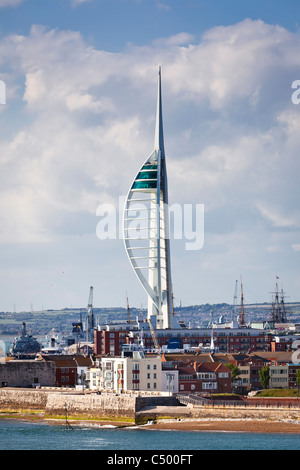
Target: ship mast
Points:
(242, 305)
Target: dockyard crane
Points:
(90, 320)
(242, 304)
(153, 335)
(128, 309)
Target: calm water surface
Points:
(21, 435)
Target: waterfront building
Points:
(279, 376)
(202, 373)
(70, 369)
(293, 370)
(27, 373)
(135, 372)
(283, 342)
(130, 372)
(146, 237)
(231, 340)
(110, 338)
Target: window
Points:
(148, 366)
(209, 385)
(203, 375)
(148, 376)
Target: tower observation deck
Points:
(146, 229)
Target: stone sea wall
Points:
(54, 403)
(22, 399)
(242, 413)
(128, 407)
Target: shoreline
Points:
(228, 425)
(183, 424)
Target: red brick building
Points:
(211, 377)
(68, 368)
(231, 340)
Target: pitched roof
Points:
(69, 360)
(212, 367)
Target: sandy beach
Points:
(228, 425)
(183, 424)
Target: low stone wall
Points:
(91, 405)
(142, 402)
(239, 412)
(128, 407)
(54, 403)
(24, 373)
(19, 399)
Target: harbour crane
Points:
(90, 319)
(128, 309)
(153, 335)
(242, 305)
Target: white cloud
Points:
(87, 124)
(79, 2)
(163, 6)
(277, 218)
(10, 3)
(179, 39)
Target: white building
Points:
(127, 373)
(279, 376)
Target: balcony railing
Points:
(198, 400)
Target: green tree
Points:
(235, 371)
(298, 377)
(298, 384)
(264, 376)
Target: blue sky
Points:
(81, 81)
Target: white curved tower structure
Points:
(146, 229)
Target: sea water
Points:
(22, 435)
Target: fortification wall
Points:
(58, 402)
(22, 399)
(91, 405)
(257, 413)
(105, 406)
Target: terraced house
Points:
(126, 373)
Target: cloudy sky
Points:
(78, 122)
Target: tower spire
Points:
(148, 248)
(159, 132)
